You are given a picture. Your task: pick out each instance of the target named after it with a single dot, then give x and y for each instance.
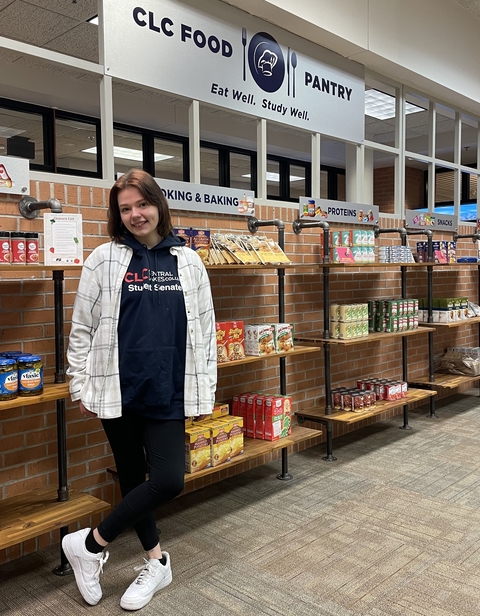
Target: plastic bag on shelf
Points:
(458, 361)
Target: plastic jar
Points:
(8, 379)
(31, 244)
(5, 248)
(17, 241)
(30, 375)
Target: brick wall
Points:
(28, 448)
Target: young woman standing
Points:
(142, 357)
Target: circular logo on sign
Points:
(266, 62)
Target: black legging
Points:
(132, 439)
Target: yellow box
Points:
(220, 410)
(236, 433)
(221, 448)
(198, 441)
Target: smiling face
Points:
(138, 216)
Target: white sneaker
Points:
(153, 577)
(86, 566)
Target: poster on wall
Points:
(217, 54)
(14, 175)
(206, 198)
(63, 239)
(427, 220)
(338, 211)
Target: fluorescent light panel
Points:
(128, 153)
(382, 106)
(275, 177)
(93, 20)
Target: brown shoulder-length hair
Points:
(151, 192)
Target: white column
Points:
(262, 159)
(368, 180)
(354, 172)
(315, 144)
(106, 123)
(194, 141)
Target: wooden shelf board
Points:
(250, 266)
(254, 448)
(347, 417)
(298, 350)
(446, 381)
(29, 515)
(51, 391)
(454, 324)
(372, 337)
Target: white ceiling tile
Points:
(80, 42)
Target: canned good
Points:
(8, 379)
(358, 403)
(31, 244)
(5, 250)
(30, 375)
(17, 241)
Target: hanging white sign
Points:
(14, 175)
(426, 220)
(205, 198)
(217, 54)
(338, 211)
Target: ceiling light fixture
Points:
(382, 106)
(275, 177)
(93, 20)
(129, 154)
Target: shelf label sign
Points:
(63, 239)
(338, 211)
(14, 175)
(217, 54)
(435, 222)
(205, 198)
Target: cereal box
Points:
(235, 340)
(230, 340)
(259, 339)
(200, 242)
(283, 337)
(250, 415)
(197, 447)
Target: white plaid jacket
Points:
(92, 354)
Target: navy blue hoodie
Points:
(152, 332)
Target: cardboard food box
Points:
(184, 233)
(273, 413)
(230, 340)
(197, 447)
(220, 442)
(250, 415)
(260, 417)
(235, 424)
(283, 337)
(220, 409)
(259, 339)
(200, 242)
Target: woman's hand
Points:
(84, 411)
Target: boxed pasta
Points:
(197, 447)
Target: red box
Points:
(250, 404)
(260, 417)
(273, 412)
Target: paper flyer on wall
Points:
(63, 239)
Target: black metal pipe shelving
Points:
(253, 225)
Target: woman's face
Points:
(138, 216)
